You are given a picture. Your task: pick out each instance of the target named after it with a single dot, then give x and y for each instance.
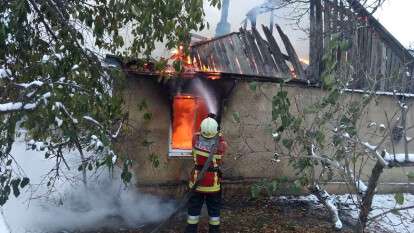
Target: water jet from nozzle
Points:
(208, 95)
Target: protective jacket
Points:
(201, 150)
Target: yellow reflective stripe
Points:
(194, 157)
(214, 161)
(205, 154)
(214, 221)
(214, 188)
(193, 219)
(195, 174)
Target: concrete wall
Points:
(250, 154)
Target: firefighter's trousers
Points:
(195, 203)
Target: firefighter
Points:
(208, 189)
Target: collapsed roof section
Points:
(247, 53)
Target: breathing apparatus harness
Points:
(188, 195)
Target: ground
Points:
(263, 215)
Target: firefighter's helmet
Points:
(209, 127)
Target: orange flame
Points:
(188, 112)
(183, 118)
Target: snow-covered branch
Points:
(115, 135)
(393, 210)
(90, 119)
(33, 83)
(61, 106)
(329, 202)
(19, 106)
(358, 184)
(371, 148)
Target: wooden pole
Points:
(275, 50)
(292, 54)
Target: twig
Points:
(389, 211)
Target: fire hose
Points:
(187, 197)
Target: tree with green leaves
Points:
(56, 93)
(328, 139)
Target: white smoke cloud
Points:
(106, 202)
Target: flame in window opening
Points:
(188, 112)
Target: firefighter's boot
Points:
(191, 228)
(213, 228)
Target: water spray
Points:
(201, 89)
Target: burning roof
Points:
(247, 53)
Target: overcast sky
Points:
(398, 17)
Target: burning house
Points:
(234, 76)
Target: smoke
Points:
(239, 10)
(105, 203)
(207, 94)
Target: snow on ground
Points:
(396, 221)
(3, 225)
(401, 221)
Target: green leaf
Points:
(410, 176)
(396, 212)
(272, 187)
(287, 143)
(333, 97)
(147, 116)
(328, 81)
(9, 162)
(3, 199)
(15, 185)
(25, 181)
(178, 66)
(253, 86)
(236, 117)
(155, 160)
(6, 190)
(296, 187)
(345, 45)
(126, 176)
(142, 105)
(283, 179)
(399, 198)
(255, 190)
(320, 137)
(3, 178)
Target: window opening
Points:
(187, 113)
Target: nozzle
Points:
(212, 115)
